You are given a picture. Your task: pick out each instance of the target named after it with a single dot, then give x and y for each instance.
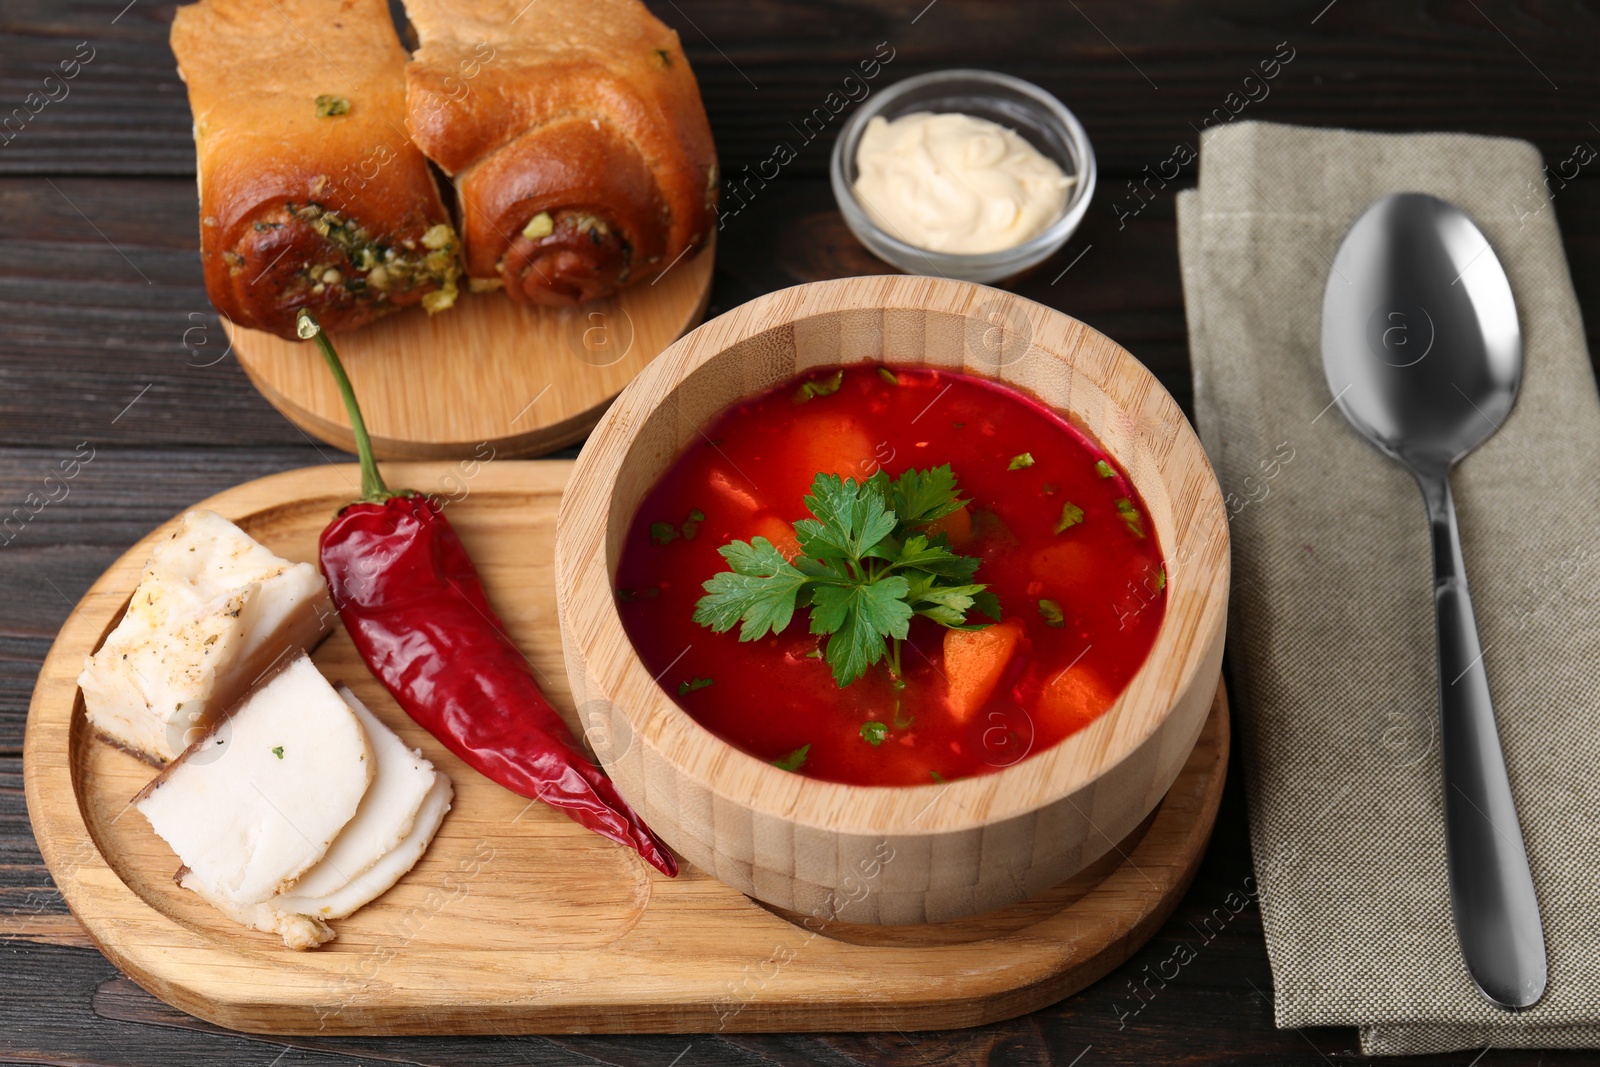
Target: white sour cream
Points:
(958, 184)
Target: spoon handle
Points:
(1491, 889)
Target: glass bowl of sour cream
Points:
(964, 174)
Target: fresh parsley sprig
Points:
(866, 566)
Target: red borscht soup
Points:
(862, 524)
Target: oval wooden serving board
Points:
(517, 920)
(488, 373)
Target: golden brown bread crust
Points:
(575, 133)
(337, 212)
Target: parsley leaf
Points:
(1051, 612)
(685, 688)
(1020, 461)
(794, 760)
(873, 733)
(948, 605)
(760, 589)
(819, 387)
(888, 375)
(1103, 469)
(1131, 516)
(278, 752)
(923, 496)
(933, 559)
(859, 617)
(864, 569)
(1071, 515)
(664, 533)
(851, 517)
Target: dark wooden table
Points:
(108, 343)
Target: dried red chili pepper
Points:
(415, 607)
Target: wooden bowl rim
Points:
(1015, 791)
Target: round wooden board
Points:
(487, 374)
(517, 920)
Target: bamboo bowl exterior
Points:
(904, 854)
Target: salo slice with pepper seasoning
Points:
(414, 605)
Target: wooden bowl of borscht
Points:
(893, 599)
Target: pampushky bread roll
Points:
(575, 135)
(311, 193)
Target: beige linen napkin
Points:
(1332, 629)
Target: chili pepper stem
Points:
(373, 491)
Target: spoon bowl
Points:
(1420, 341)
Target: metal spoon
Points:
(1422, 350)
